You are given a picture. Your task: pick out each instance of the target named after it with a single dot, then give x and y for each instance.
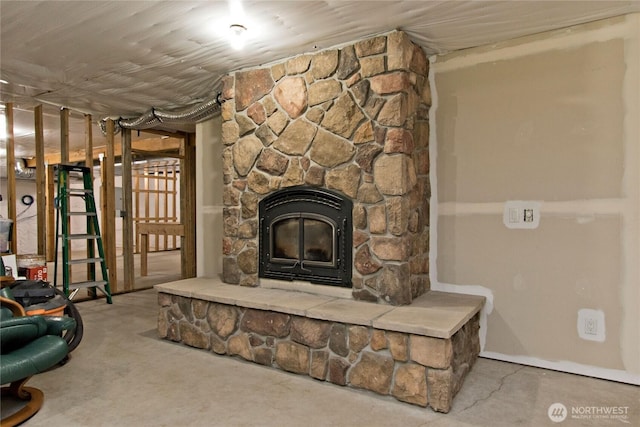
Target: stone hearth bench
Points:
(418, 354)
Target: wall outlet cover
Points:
(591, 326)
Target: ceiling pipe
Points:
(155, 117)
(194, 114)
(145, 121)
(24, 172)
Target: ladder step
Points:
(84, 261)
(82, 236)
(73, 168)
(81, 213)
(89, 284)
(79, 191)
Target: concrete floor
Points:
(123, 375)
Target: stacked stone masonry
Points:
(354, 120)
(419, 370)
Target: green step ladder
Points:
(66, 192)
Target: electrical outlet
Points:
(591, 325)
(528, 215)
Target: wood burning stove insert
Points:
(306, 234)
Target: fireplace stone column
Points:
(352, 120)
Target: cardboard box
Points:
(34, 273)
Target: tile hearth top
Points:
(435, 314)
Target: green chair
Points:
(29, 345)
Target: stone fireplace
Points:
(326, 183)
(353, 121)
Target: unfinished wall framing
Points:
(62, 136)
(156, 193)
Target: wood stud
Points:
(11, 177)
(127, 218)
(41, 181)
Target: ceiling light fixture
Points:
(237, 34)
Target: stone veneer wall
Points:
(416, 369)
(354, 120)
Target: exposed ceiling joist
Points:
(156, 147)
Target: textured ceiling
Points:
(120, 58)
